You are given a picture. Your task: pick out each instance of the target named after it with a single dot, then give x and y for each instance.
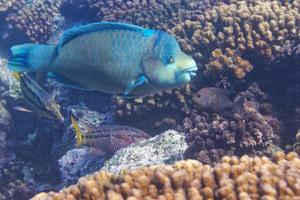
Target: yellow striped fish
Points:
(38, 99)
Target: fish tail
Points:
(79, 134)
(239, 104)
(30, 57)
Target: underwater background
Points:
(250, 48)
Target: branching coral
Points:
(232, 178)
(155, 14)
(236, 35)
(173, 103)
(251, 130)
(36, 19)
(6, 5)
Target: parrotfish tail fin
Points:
(79, 135)
(30, 57)
(239, 104)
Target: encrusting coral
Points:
(232, 178)
(237, 35)
(36, 20)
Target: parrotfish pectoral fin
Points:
(101, 26)
(79, 135)
(66, 81)
(135, 83)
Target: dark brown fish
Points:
(108, 139)
(212, 99)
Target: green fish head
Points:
(165, 65)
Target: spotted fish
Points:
(107, 139)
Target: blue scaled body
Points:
(111, 57)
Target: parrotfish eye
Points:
(198, 95)
(171, 60)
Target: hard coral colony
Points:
(232, 178)
(248, 49)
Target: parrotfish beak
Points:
(188, 69)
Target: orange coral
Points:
(232, 178)
(264, 29)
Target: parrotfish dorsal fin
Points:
(101, 26)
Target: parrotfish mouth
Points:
(191, 71)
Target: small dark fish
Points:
(42, 103)
(107, 139)
(216, 100)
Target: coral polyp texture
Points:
(237, 35)
(253, 130)
(6, 5)
(155, 14)
(36, 20)
(174, 104)
(232, 178)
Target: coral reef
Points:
(166, 147)
(211, 136)
(36, 20)
(171, 106)
(155, 14)
(237, 35)
(232, 178)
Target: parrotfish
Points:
(111, 57)
(39, 100)
(107, 139)
(216, 100)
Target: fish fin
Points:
(22, 109)
(97, 152)
(17, 75)
(135, 83)
(30, 57)
(18, 61)
(66, 81)
(54, 94)
(239, 104)
(79, 134)
(100, 26)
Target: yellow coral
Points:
(233, 178)
(262, 29)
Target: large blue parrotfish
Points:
(111, 57)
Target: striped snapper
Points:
(107, 139)
(38, 99)
(111, 57)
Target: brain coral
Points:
(236, 35)
(233, 178)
